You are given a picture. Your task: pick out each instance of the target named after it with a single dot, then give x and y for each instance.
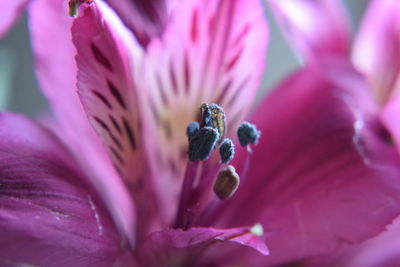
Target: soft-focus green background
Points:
(19, 90)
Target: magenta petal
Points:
(185, 247)
(146, 18)
(48, 214)
(56, 71)
(10, 12)
(323, 173)
(314, 27)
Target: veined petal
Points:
(185, 248)
(146, 18)
(323, 173)
(10, 12)
(49, 216)
(56, 70)
(314, 27)
(107, 58)
(376, 50)
(211, 52)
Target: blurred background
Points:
(19, 90)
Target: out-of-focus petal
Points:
(376, 50)
(146, 18)
(10, 12)
(107, 55)
(383, 250)
(390, 118)
(314, 28)
(186, 248)
(49, 216)
(56, 70)
(211, 52)
(323, 173)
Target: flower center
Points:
(208, 178)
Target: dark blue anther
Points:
(192, 129)
(248, 133)
(201, 145)
(226, 150)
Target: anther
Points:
(248, 133)
(218, 120)
(201, 145)
(227, 183)
(213, 116)
(192, 129)
(226, 150)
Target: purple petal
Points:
(49, 216)
(323, 173)
(377, 48)
(186, 247)
(10, 12)
(314, 27)
(146, 18)
(56, 70)
(106, 56)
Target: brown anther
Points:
(227, 183)
(218, 120)
(213, 116)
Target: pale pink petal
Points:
(10, 12)
(49, 215)
(197, 246)
(146, 18)
(324, 173)
(212, 51)
(390, 118)
(107, 56)
(56, 70)
(376, 50)
(314, 27)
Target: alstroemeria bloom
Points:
(322, 173)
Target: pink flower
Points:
(115, 187)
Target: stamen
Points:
(226, 150)
(227, 183)
(192, 129)
(201, 145)
(248, 133)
